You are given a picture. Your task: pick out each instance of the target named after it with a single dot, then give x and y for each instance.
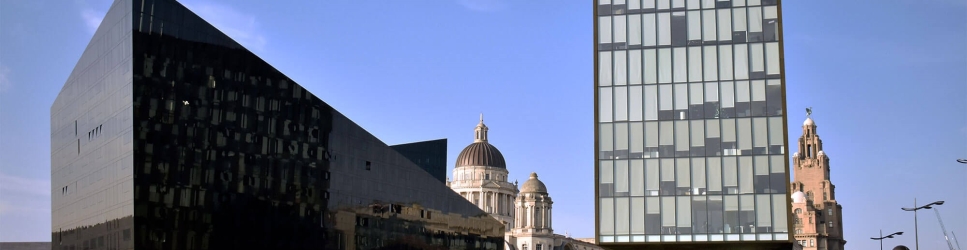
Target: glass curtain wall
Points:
(690, 121)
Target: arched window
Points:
(798, 211)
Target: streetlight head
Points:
(937, 202)
(908, 209)
(899, 233)
(889, 236)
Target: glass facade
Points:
(690, 121)
(170, 135)
(429, 155)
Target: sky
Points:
(887, 83)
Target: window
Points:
(369, 165)
(524, 247)
(798, 211)
(830, 224)
(812, 242)
(487, 176)
(539, 247)
(829, 211)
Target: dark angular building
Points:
(429, 155)
(170, 135)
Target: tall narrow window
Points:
(604, 29)
(634, 29)
(604, 68)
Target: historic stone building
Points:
(818, 220)
(481, 176)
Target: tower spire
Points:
(480, 132)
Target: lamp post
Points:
(885, 237)
(916, 230)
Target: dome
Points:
(901, 247)
(533, 185)
(798, 197)
(481, 154)
(809, 122)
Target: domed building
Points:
(481, 176)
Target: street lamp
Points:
(885, 237)
(964, 161)
(916, 230)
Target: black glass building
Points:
(429, 155)
(690, 125)
(170, 135)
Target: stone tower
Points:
(818, 220)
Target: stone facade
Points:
(818, 220)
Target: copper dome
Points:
(481, 154)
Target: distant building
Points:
(818, 217)
(481, 176)
(427, 155)
(170, 135)
(25, 245)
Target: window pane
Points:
(621, 140)
(694, 4)
(741, 61)
(728, 130)
(739, 22)
(604, 29)
(607, 172)
(708, 25)
(607, 216)
(604, 68)
(638, 215)
(620, 29)
(651, 134)
(758, 65)
(755, 21)
(698, 176)
(694, 27)
(680, 62)
(667, 133)
(681, 136)
(666, 97)
(637, 177)
(745, 133)
(711, 65)
(622, 217)
(621, 177)
(664, 65)
(775, 131)
(698, 133)
(763, 211)
(772, 57)
(678, 4)
(635, 105)
(683, 173)
(604, 104)
(634, 29)
(779, 212)
(770, 25)
(759, 91)
(649, 30)
(681, 96)
(620, 67)
(695, 64)
(634, 67)
(745, 175)
(664, 29)
(651, 66)
(667, 213)
(651, 177)
(621, 104)
(684, 212)
(695, 93)
(761, 131)
(637, 131)
(728, 95)
(634, 4)
(714, 174)
(606, 139)
(664, 4)
(725, 25)
(712, 129)
(651, 102)
(730, 174)
(725, 60)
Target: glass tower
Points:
(690, 123)
(170, 135)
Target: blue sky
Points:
(887, 82)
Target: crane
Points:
(942, 227)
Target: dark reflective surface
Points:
(185, 140)
(429, 155)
